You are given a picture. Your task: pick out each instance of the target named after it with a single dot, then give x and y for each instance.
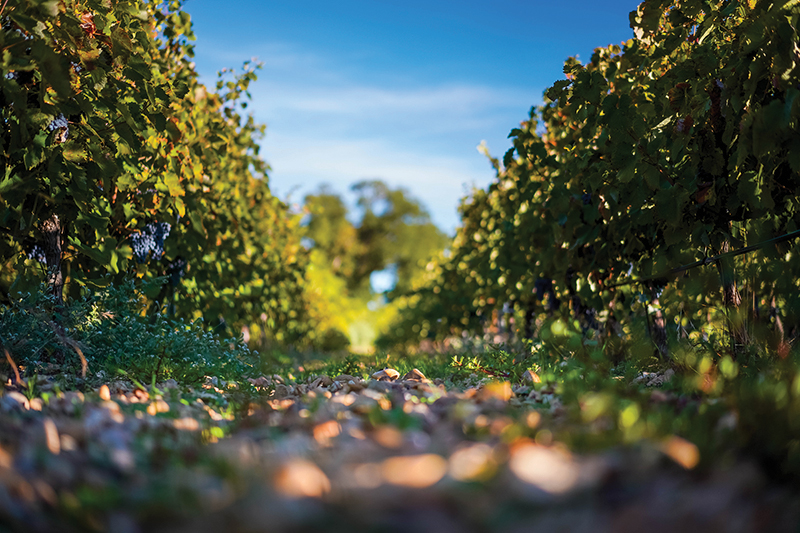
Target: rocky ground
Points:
(338, 453)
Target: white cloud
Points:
(352, 108)
(326, 123)
(357, 98)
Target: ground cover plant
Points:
(375, 443)
(108, 332)
(610, 344)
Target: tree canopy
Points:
(393, 231)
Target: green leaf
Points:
(678, 18)
(36, 150)
(181, 89)
(126, 134)
(95, 220)
(25, 22)
(793, 154)
(74, 152)
(9, 183)
(48, 8)
(159, 121)
(652, 177)
(558, 89)
(749, 190)
(767, 120)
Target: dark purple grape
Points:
(149, 242)
(37, 253)
(176, 269)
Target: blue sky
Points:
(398, 91)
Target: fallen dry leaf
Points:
(681, 451)
(414, 375)
(530, 376)
(157, 406)
(51, 436)
(387, 374)
(551, 470)
(5, 458)
(472, 462)
(262, 381)
(324, 432)
(414, 471)
(388, 436)
(300, 478)
(499, 390)
(104, 392)
(186, 424)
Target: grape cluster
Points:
(150, 241)
(37, 253)
(60, 123)
(176, 269)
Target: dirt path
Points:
(350, 455)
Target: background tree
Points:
(331, 233)
(393, 231)
(389, 232)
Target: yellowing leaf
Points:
(173, 183)
(180, 206)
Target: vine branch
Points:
(711, 260)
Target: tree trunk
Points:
(779, 342)
(659, 329)
(530, 314)
(52, 234)
(51, 239)
(732, 299)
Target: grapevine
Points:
(678, 145)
